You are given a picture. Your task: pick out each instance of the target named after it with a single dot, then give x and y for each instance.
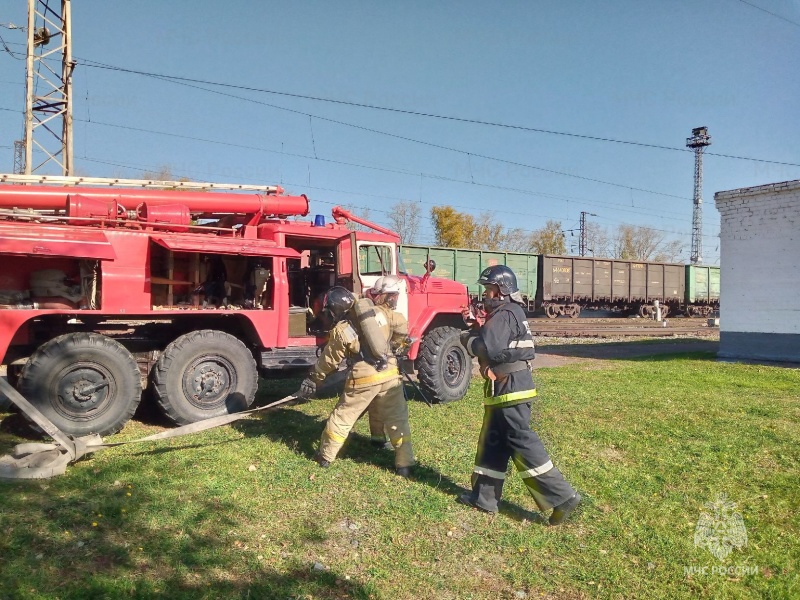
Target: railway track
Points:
(607, 328)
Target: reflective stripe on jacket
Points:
(509, 399)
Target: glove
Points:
(467, 315)
(307, 389)
(486, 370)
(403, 347)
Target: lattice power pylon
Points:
(699, 140)
(582, 245)
(19, 157)
(48, 87)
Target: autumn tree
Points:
(671, 251)
(634, 242)
(405, 219)
(548, 240)
(488, 234)
(517, 240)
(629, 242)
(453, 229)
(597, 240)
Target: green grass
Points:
(242, 512)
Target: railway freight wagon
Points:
(568, 284)
(565, 285)
(465, 266)
(702, 290)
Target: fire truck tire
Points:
(443, 366)
(83, 382)
(204, 374)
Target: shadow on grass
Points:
(301, 433)
(51, 549)
(295, 583)
(50, 546)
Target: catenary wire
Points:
(777, 16)
(177, 78)
(567, 199)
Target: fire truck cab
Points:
(188, 290)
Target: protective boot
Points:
(321, 461)
(466, 498)
(563, 510)
(486, 493)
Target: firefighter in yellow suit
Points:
(384, 294)
(370, 379)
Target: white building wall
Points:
(760, 271)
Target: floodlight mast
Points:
(699, 140)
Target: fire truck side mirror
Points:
(430, 265)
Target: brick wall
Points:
(760, 259)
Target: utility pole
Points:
(582, 246)
(699, 140)
(48, 87)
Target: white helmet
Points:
(388, 284)
(386, 290)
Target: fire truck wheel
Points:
(83, 382)
(443, 366)
(204, 374)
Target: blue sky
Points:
(640, 71)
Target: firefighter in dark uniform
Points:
(504, 345)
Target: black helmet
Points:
(502, 277)
(337, 302)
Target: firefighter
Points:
(504, 346)
(390, 409)
(363, 385)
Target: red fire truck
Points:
(189, 291)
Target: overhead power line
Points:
(777, 16)
(178, 78)
(616, 206)
(422, 142)
(9, 50)
(396, 170)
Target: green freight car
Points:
(702, 290)
(465, 266)
(566, 285)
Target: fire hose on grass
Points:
(42, 460)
